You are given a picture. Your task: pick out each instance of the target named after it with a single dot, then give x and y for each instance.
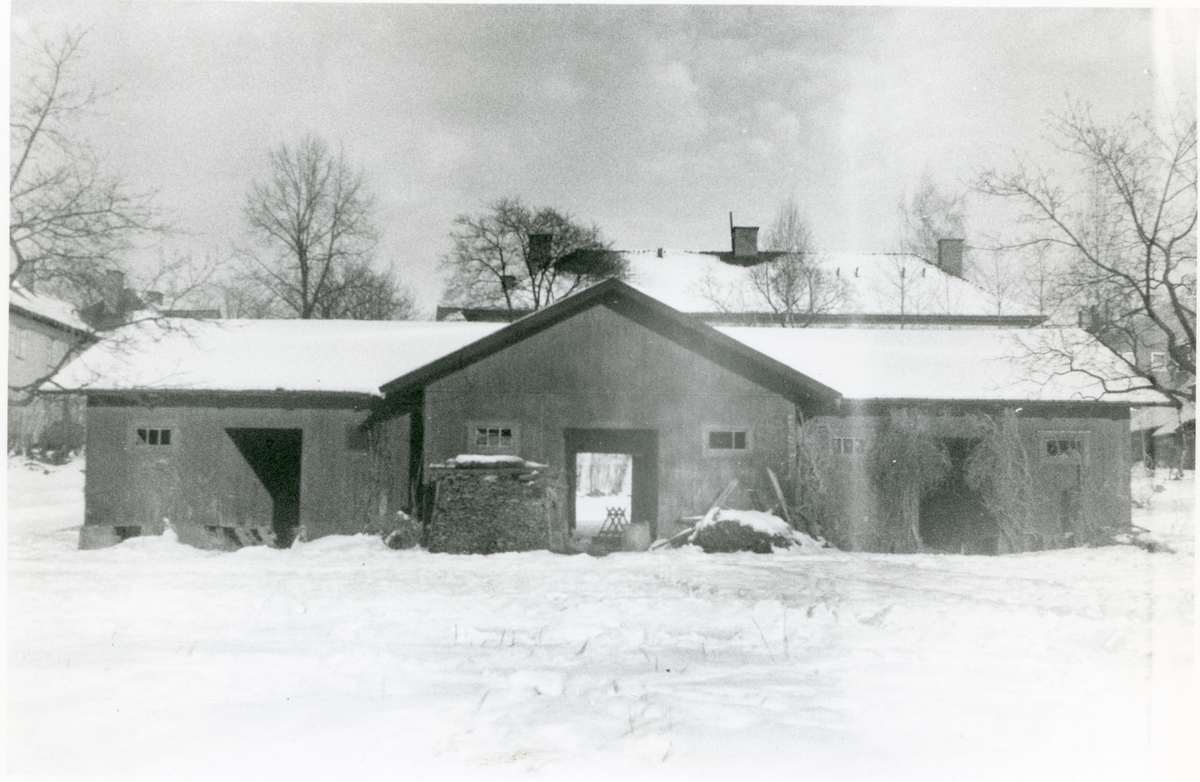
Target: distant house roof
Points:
(879, 288)
(698, 282)
(46, 309)
(374, 357)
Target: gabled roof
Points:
(372, 358)
(46, 309)
(649, 312)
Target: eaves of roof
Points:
(640, 308)
(49, 321)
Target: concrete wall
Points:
(201, 479)
(1101, 474)
(599, 370)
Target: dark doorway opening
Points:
(953, 517)
(642, 447)
(274, 455)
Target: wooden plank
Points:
(779, 494)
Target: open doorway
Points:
(603, 487)
(607, 448)
(953, 516)
(274, 456)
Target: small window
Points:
(149, 437)
(726, 440)
(1063, 445)
(492, 438)
(849, 445)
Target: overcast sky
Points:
(654, 122)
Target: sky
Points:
(654, 122)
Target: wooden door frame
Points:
(641, 444)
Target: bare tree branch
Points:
(792, 282)
(1130, 235)
(69, 222)
(313, 242)
(494, 265)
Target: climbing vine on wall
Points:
(999, 469)
(906, 460)
(814, 495)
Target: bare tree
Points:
(1130, 232)
(792, 281)
(362, 293)
(928, 215)
(1000, 276)
(514, 257)
(69, 221)
(313, 239)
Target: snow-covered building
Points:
(856, 289)
(42, 332)
(238, 431)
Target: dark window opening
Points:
(494, 437)
(1064, 447)
(849, 445)
(275, 456)
(154, 436)
(125, 533)
(727, 440)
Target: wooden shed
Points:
(240, 429)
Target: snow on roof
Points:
(1161, 420)
(45, 307)
(947, 364)
(264, 355)
(361, 356)
(701, 282)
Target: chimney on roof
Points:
(112, 291)
(744, 239)
(950, 256)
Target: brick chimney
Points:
(112, 291)
(950, 256)
(744, 239)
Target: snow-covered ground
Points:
(342, 659)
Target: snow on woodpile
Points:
(979, 364)
(265, 355)
(478, 460)
(726, 530)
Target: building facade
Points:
(341, 440)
